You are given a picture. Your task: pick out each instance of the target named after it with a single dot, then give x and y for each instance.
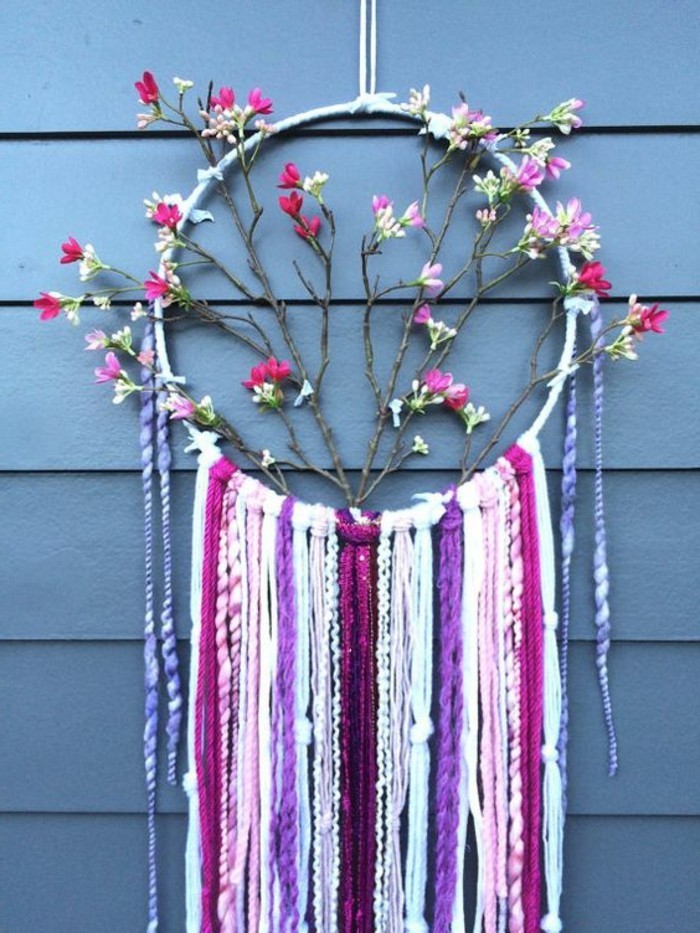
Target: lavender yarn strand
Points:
(567, 529)
(169, 646)
(150, 649)
(600, 567)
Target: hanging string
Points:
(150, 648)
(600, 560)
(365, 59)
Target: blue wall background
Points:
(72, 830)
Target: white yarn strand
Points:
(552, 799)
(209, 454)
(426, 515)
(302, 698)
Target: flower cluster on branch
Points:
(226, 122)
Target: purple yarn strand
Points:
(286, 842)
(169, 643)
(450, 721)
(600, 566)
(150, 651)
(567, 528)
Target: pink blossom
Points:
(225, 99)
(556, 165)
(72, 251)
(49, 304)
(146, 357)
(591, 278)
(529, 175)
(573, 218)
(308, 227)
(422, 314)
(437, 382)
(258, 375)
(543, 224)
(290, 176)
(111, 370)
(428, 278)
(273, 370)
(644, 320)
(412, 216)
(167, 215)
(147, 89)
(96, 340)
(180, 408)
(380, 202)
(156, 287)
(291, 205)
(456, 396)
(258, 103)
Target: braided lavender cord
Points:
(150, 648)
(600, 561)
(567, 529)
(169, 646)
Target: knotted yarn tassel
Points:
(401, 624)
(472, 574)
(358, 611)
(167, 623)
(552, 806)
(208, 455)
(426, 515)
(147, 419)
(531, 687)
(449, 765)
(600, 560)
(568, 537)
(303, 730)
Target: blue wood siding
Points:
(72, 804)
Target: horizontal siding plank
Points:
(72, 424)
(625, 874)
(81, 579)
(102, 204)
(108, 54)
(74, 724)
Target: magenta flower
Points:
(543, 224)
(271, 370)
(308, 228)
(96, 340)
(49, 303)
(225, 98)
(591, 278)
(380, 202)
(644, 320)
(456, 396)
(556, 165)
(437, 382)
(110, 371)
(291, 205)
(258, 375)
(147, 89)
(258, 103)
(529, 175)
(72, 251)
(180, 408)
(156, 287)
(422, 314)
(573, 218)
(167, 215)
(429, 278)
(290, 177)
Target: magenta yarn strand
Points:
(285, 825)
(358, 611)
(150, 648)
(451, 716)
(531, 689)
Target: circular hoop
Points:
(438, 127)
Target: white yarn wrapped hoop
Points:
(376, 103)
